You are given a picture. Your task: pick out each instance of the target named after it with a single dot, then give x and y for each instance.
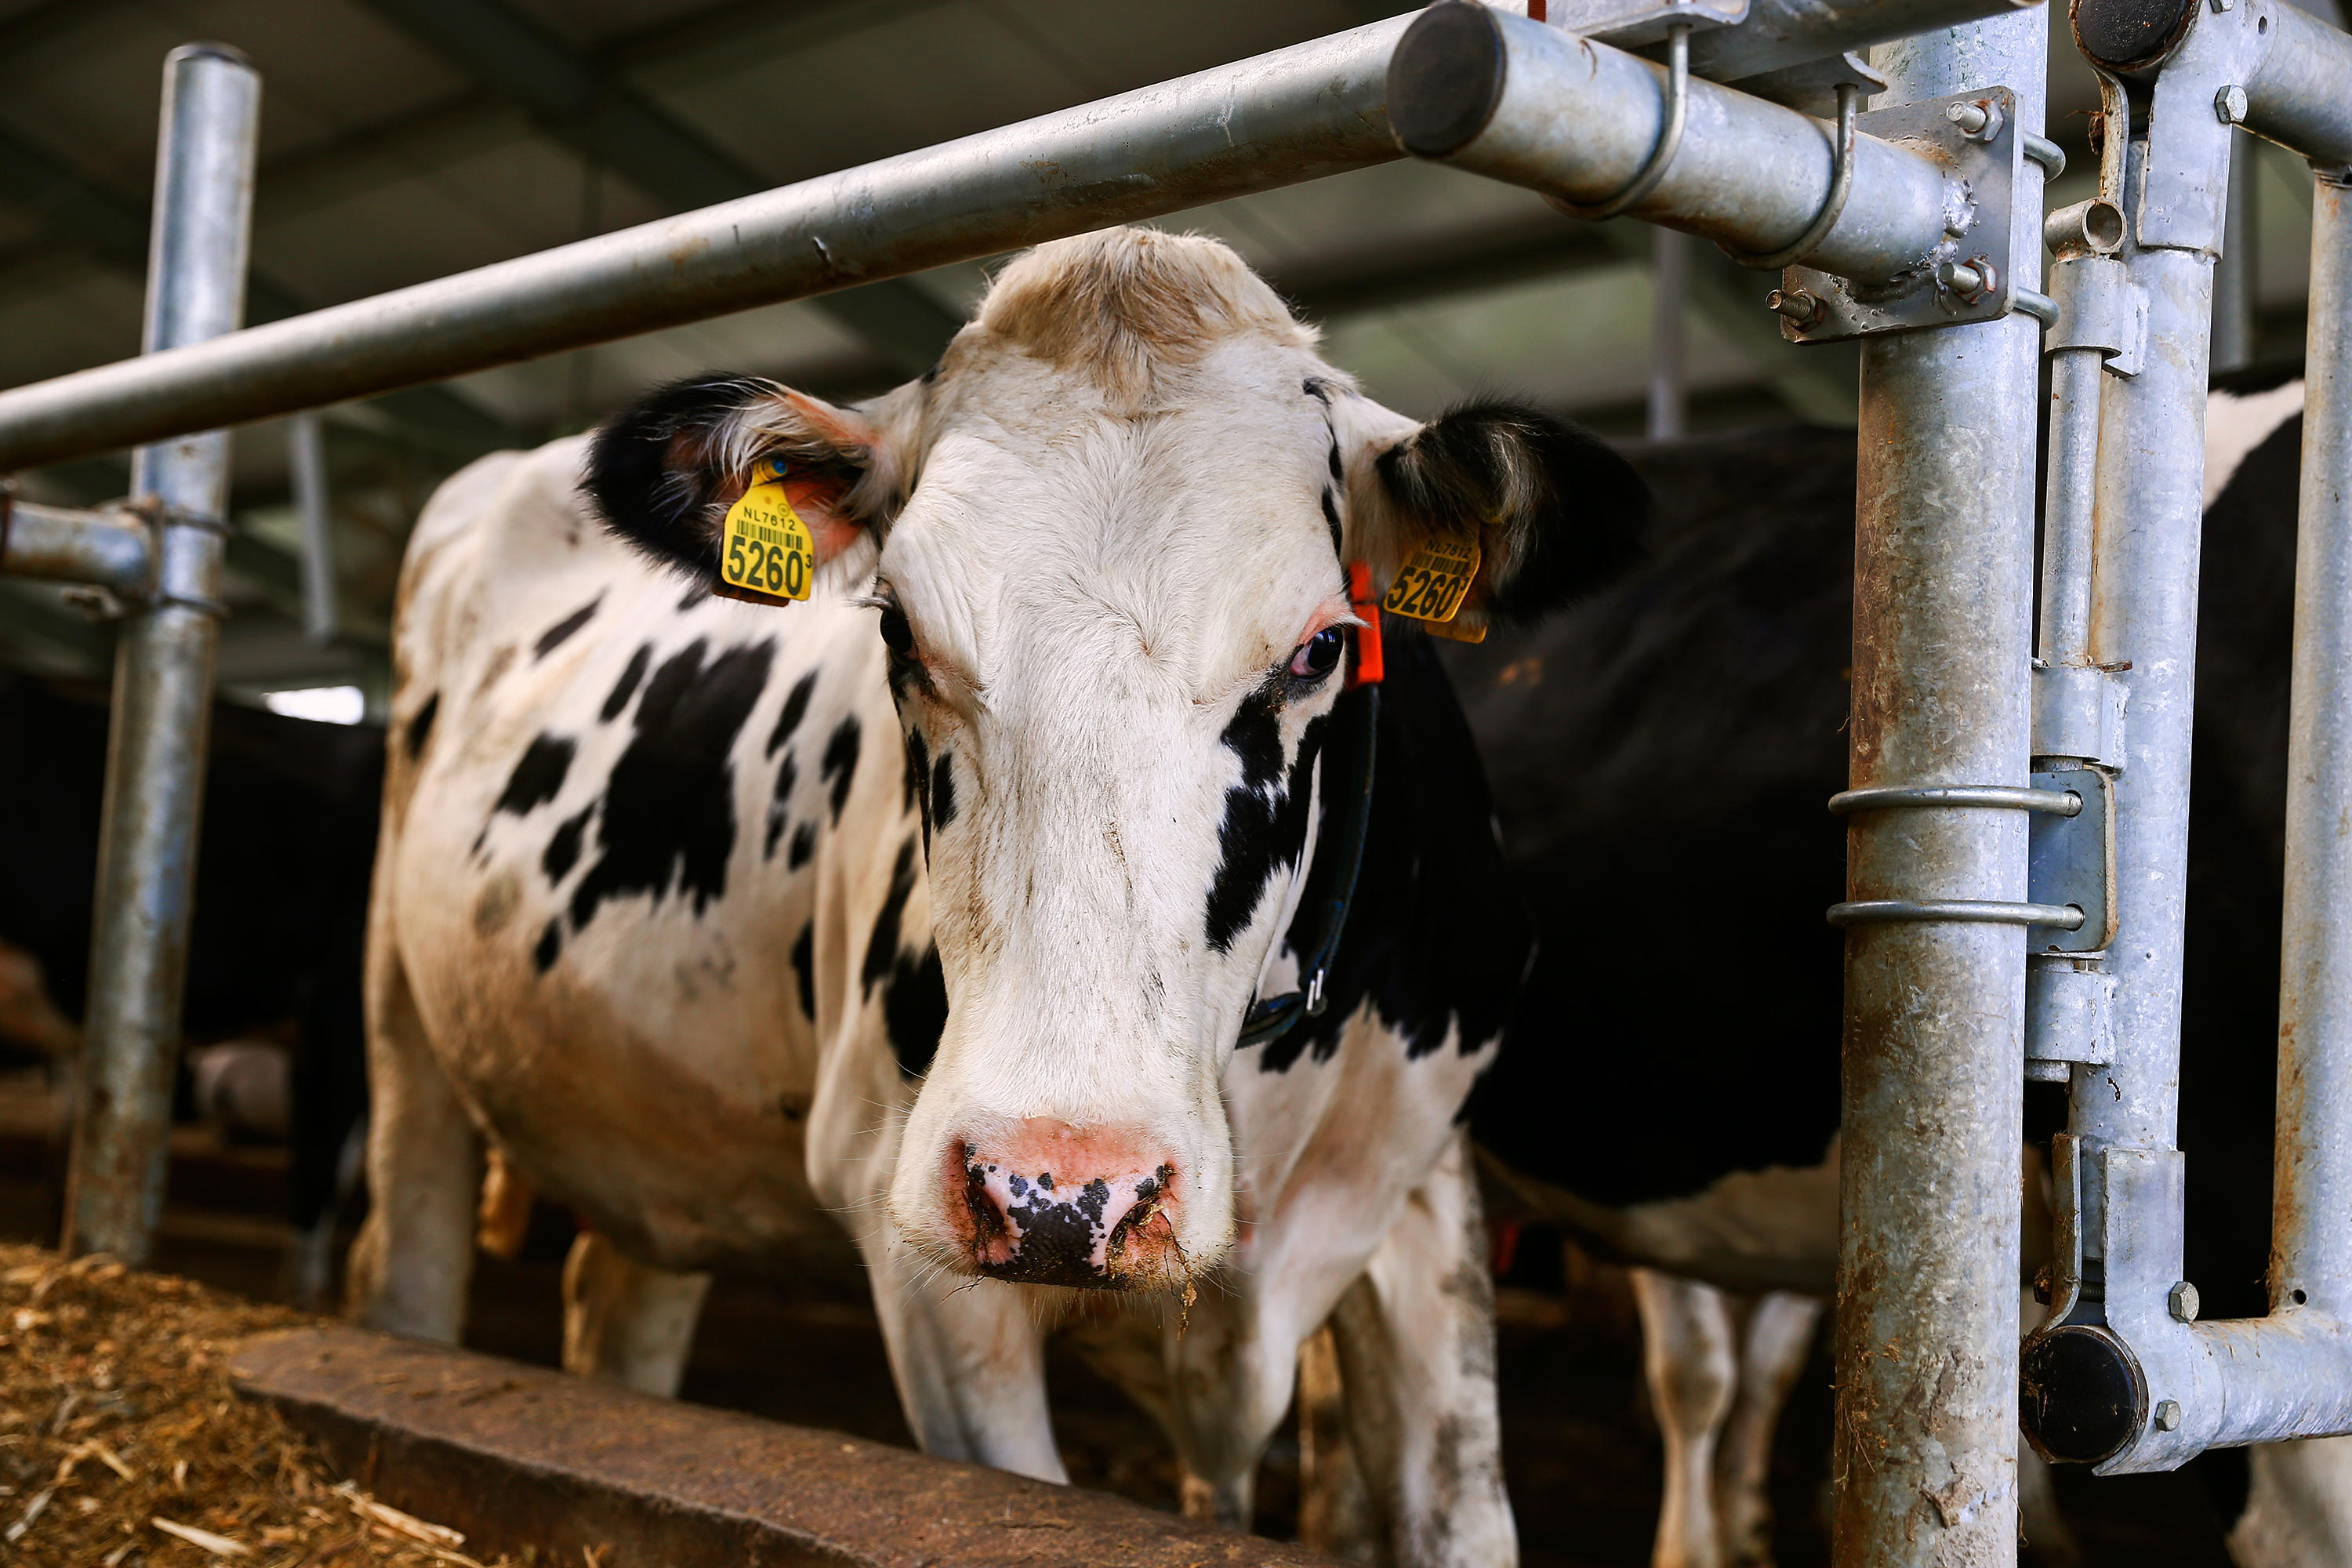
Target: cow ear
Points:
(1557, 512)
(663, 472)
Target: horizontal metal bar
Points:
(2300, 95)
(1276, 120)
(1779, 32)
(1986, 911)
(2000, 798)
(113, 550)
(1576, 118)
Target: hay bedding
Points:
(123, 1443)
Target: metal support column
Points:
(164, 672)
(1927, 1267)
(2234, 273)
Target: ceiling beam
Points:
(608, 122)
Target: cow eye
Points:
(1318, 655)
(896, 635)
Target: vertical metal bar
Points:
(1669, 279)
(306, 460)
(1927, 1267)
(2311, 1262)
(163, 671)
(2066, 526)
(2233, 273)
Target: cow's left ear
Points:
(662, 471)
(1557, 511)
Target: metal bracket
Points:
(2099, 307)
(2078, 713)
(1630, 23)
(2069, 1015)
(1972, 276)
(2070, 861)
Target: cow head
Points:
(1105, 539)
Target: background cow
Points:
(936, 901)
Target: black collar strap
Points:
(1270, 1018)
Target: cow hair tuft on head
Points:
(1125, 306)
(662, 472)
(1561, 512)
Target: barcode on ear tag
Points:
(765, 554)
(1433, 580)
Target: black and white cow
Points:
(1660, 758)
(934, 904)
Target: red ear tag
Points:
(1361, 599)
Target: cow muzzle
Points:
(1052, 1206)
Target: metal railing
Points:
(1913, 227)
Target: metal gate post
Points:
(1927, 1268)
(164, 672)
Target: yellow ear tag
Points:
(1432, 584)
(765, 555)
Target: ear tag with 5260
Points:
(765, 554)
(1433, 581)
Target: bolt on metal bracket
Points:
(2070, 861)
(1981, 234)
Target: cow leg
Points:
(1778, 1337)
(969, 1358)
(625, 1322)
(1335, 1515)
(1688, 1355)
(1417, 1341)
(2298, 1506)
(414, 1256)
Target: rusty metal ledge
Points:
(518, 1456)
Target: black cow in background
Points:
(1661, 759)
(288, 841)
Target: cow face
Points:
(1104, 543)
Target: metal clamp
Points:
(1832, 205)
(2000, 798)
(1670, 137)
(1980, 910)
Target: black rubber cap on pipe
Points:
(2081, 1394)
(1445, 79)
(2131, 35)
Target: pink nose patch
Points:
(1045, 1228)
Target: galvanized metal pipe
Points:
(1927, 1267)
(1575, 119)
(2311, 1260)
(2233, 271)
(2297, 95)
(111, 550)
(164, 673)
(2066, 523)
(1779, 32)
(1669, 261)
(306, 459)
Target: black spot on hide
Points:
(804, 968)
(916, 1007)
(1265, 816)
(803, 847)
(882, 947)
(626, 687)
(552, 637)
(537, 779)
(420, 729)
(779, 806)
(943, 799)
(915, 783)
(1331, 519)
(1437, 934)
(838, 766)
(695, 597)
(1339, 473)
(1315, 387)
(795, 708)
(563, 849)
(670, 808)
(550, 943)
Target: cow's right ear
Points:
(663, 472)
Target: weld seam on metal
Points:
(1998, 797)
(1982, 911)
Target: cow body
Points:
(719, 918)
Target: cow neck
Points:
(1269, 1018)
